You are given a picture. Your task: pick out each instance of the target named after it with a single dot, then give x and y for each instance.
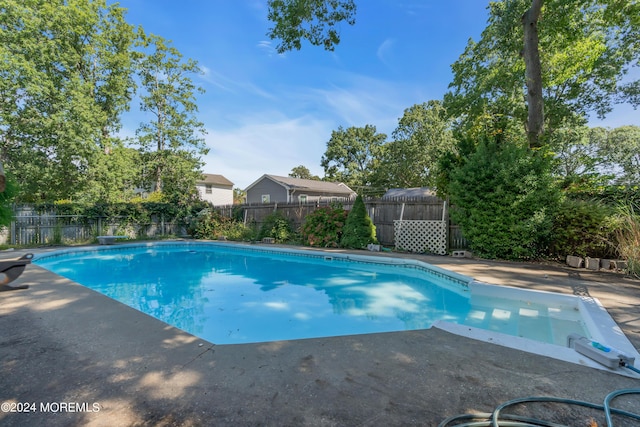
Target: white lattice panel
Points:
(421, 236)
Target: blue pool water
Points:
(227, 294)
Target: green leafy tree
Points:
(505, 201)
(239, 196)
(623, 147)
(358, 230)
(586, 48)
(352, 155)
(6, 201)
(539, 62)
(65, 78)
(114, 177)
(316, 21)
(580, 160)
(597, 156)
(303, 172)
(412, 158)
(172, 140)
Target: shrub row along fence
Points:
(384, 213)
(31, 227)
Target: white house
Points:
(215, 189)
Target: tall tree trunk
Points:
(533, 73)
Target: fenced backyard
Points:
(33, 227)
(384, 213)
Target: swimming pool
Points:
(229, 293)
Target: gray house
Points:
(281, 189)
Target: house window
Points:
(208, 189)
(302, 198)
(266, 198)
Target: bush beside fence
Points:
(33, 227)
(382, 212)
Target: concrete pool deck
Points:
(64, 348)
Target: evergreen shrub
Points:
(358, 230)
(505, 200)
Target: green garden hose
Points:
(494, 419)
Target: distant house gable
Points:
(215, 189)
(409, 193)
(210, 178)
(274, 188)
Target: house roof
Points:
(210, 178)
(299, 184)
(411, 193)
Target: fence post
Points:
(13, 232)
(447, 225)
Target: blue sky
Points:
(267, 113)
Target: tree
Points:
(172, 140)
(313, 20)
(533, 73)
(624, 146)
(303, 172)
(65, 78)
(620, 149)
(7, 196)
(114, 177)
(586, 49)
(239, 196)
(411, 159)
(578, 155)
(352, 155)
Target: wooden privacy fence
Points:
(383, 212)
(39, 228)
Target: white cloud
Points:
(230, 85)
(272, 136)
(266, 46)
(360, 100)
(266, 143)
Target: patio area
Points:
(84, 359)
